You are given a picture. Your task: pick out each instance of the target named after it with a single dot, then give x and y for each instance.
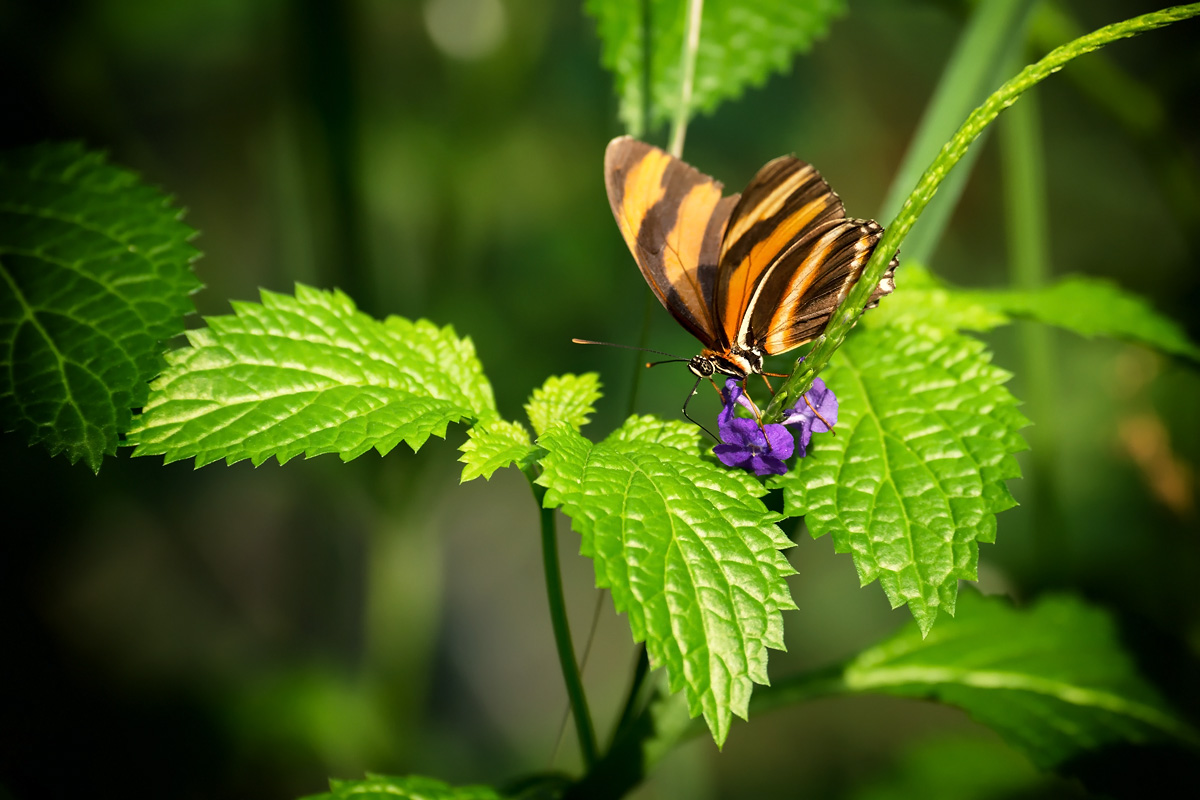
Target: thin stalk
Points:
(687, 71)
(648, 300)
(647, 71)
(1029, 268)
(640, 743)
(562, 633)
(981, 59)
(851, 309)
(628, 710)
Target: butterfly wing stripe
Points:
(783, 202)
(764, 197)
(673, 219)
(786, 282)
(822, 276)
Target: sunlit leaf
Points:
(409, 787)
(675, 433)
(309, 374)
(742, 42)
(94, 276)
(921, 299)
(913, 479)
(494, 445)
(689, 555)
(1095, 307)
(563, 398)
(1084, 305)
(1053, 679)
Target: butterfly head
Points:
(735, 363)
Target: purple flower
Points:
(763, 450)
(812, 419)
(744, 444)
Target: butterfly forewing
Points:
(673, 219)
(783, 203)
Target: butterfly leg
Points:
(753, 405)
(818, 413)
(689, 416)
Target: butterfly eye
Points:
(702, 367)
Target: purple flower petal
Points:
(807, 419)
(825, 403)
(779, 441)
(766, 465)
(764, 449)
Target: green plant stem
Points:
(628, 709)
(642, 741)
(687, 72)
(981, 59)
(953, 151)
(1137, 108)
(562, 632)
(647, 71)
(1027, 221)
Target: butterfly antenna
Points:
(672, 356)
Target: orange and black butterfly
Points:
(749, 275)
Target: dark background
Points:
(245, 633)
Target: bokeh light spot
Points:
(466, 29)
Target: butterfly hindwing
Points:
(800, 291)
(673, 218)
(783, 203)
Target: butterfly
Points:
(749, 275)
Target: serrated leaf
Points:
(1095, 307)
(94, 276)
(309, 374)
(1053, 680)
(674, 433)
(493, 445)
(921, 299)
(742, 42)
(409, 787)
(685, 436)
(913, 480)
(1087, 306)
(689, 555)
(563, 398)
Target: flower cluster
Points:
(763, 449)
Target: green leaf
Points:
(915, 476)
(1095, 307)
(409, 787)
(958, 768)
(1084, 305)
(674, 433)
(309, 374)
(563, 398)
(493, 445)
(1053, 680)
(742, 42)
(921, 299)
(94, 276)
(689, 554)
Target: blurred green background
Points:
(245, 633)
